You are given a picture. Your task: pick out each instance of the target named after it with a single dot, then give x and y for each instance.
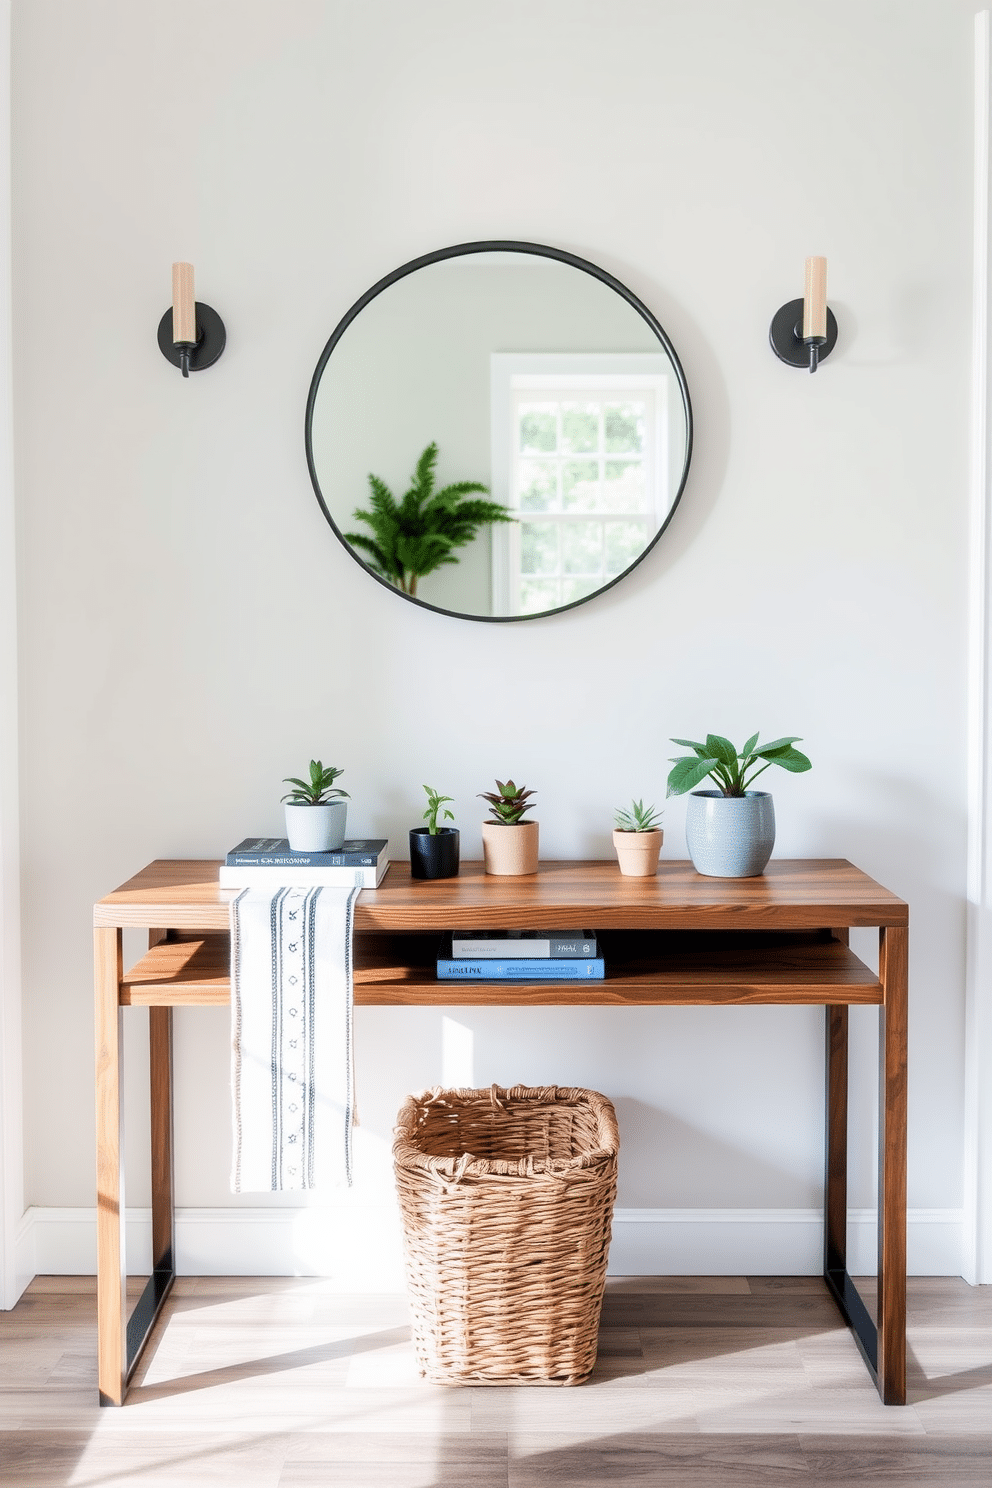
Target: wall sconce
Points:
(190, 335)
(804, 331)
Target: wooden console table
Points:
(675, 939)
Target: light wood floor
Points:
(275, 1383)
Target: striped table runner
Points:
(291, 1037)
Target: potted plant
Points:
(434, 850)
(637, 838)
(730, 831)
(419, 533)
(509, 844)
(316, 814)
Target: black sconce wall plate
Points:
(786, 335)
(210, 341)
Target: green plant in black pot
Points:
(434, 804)
(509, 844)
(730, 831)
(434, 850)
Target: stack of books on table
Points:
(269, 862)
(522, 956)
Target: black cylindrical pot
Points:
(434, 857)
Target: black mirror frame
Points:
(459, 250)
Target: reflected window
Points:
(580, 453)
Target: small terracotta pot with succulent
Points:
(509, 844)
(637, 838)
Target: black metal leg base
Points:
(146, 1311)
(856, 1316)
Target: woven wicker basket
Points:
(507, 1197)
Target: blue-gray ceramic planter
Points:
(730, 836)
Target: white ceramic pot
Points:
(638, 852)
(510, 851)
(316, 828)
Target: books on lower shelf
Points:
(269, 862)
(476, 945)
(524, 969)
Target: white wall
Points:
(191, 631)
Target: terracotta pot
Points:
(638, 852)
(510, 850)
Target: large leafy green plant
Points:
(732, 771)
(419, 533)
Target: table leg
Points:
(835, 1155)
(835, 1273)
(111, 1304)
(160, 1073)
(120, 1339)
(160, 1091)
(882, 1345)
(892, 1113)
(159, 1284)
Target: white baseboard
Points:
(771, 1242)
(359, 1246)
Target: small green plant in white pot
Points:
(316, 811)
(730, 831)
(434, 850)
(637, 838)
(509, 844)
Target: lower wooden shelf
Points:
(180, 971)
(644, 969)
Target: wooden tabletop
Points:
(791, 894)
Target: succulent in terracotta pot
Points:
(509, 844)
(637, 838)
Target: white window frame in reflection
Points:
(558, 378)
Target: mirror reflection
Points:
(498, 434)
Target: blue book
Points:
(530, 969)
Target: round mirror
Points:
(498, 431)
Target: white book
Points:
(301, 878)
(522, 944)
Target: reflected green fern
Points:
(419, 533)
